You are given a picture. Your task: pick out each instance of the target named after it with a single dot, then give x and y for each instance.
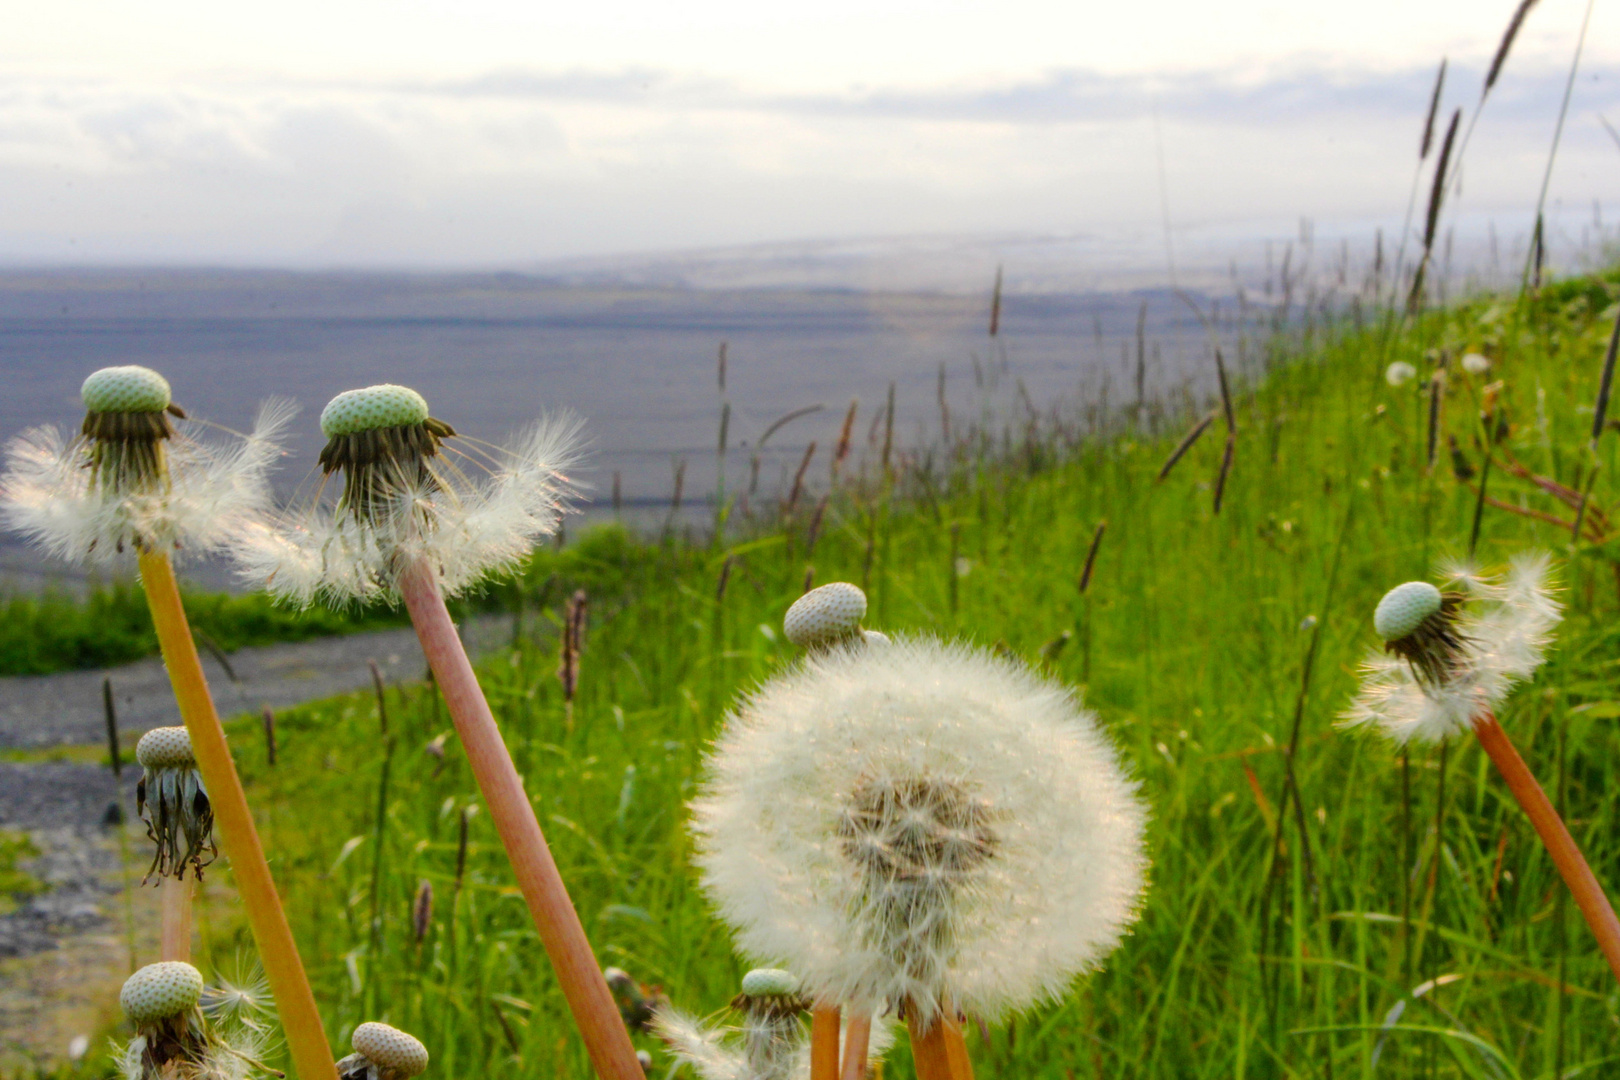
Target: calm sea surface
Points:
(491, 352)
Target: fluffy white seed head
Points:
(382, 406)
(390, 1048)
(1403, 609)
(770, 982)
(715, 1052)
(1503, 629)
(467, 513)
(1476, 363)
(824, 615)
(922, 823)
(125, 389)
(160, 991)
(165, 748)
(56, 492)
(1399, 373)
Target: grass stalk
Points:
(937, 1050)
(300, 1020)
(1566, 855)
(578, 974)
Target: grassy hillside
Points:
(1398, 916)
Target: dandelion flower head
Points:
(173, 1039)
(138, 475)
(173, 801)
(405, 493)
(1452, 657)
(1399, 373)
(918, 824)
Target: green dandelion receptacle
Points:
(127, 389)
(160, 991)
(1403, 609)
(371, 408)
(770, 982)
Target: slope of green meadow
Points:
(1397, 917)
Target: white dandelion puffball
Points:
(1476, 363)
(718, 1052)
(139, 475)
(1495, 636)
(921, 823)
(825, 615)
(160, 991)
(1399, 373)
(410, 490)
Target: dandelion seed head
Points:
(395, 1054)
(165, 748)
(1476, 363)
(1496, 635)
(135, 479)
(1403, 609)
(1399, 373)
(407, 495)
(825, 615)
(770, 982)
(161, 991)
(919, 824)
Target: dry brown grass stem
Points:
(1600, 411)
(995, 304)
(1186, 444)
(1226, 468)
(1434, 110)
(798, 477)
(843, 439)
(1502, 50)
(1226, 393)
(1437, 390)
(1091, 552)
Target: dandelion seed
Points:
(133, 477)
(407, 495)
(924, 825)
(1399, 373)
(383, 1053)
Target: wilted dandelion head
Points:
(133, 478)
(382, 1052)
(1453, 655)
(173, 801)
(1399, 373)
(406, 493)
(920, 824)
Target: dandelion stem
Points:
(300, 1020)
(824, 1043)
(578, 973)
(938, 1050)
(1589, 895)
(857, 1036)
(174, 901)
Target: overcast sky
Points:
(478, 133)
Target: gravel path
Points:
(63, 952)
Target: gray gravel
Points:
(66, 709)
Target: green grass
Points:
(1273, 942)
(55, 631)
